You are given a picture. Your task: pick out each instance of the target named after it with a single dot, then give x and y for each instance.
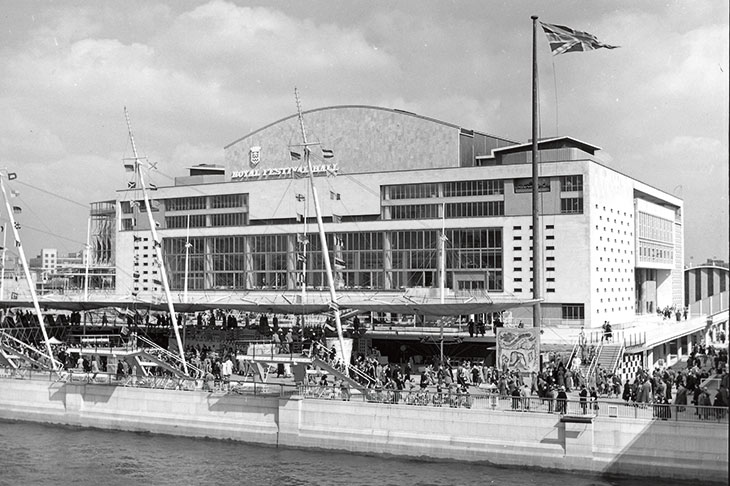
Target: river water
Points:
(33, 454)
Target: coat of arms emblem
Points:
(254, 156)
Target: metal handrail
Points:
(594, 363)
(167, 353)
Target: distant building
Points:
(612, 245)
(707, 287)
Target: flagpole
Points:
(157, 243)
(334, 306)
(536, 233)
(55, 365)
(87, 260)
(2, 268)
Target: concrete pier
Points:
(616, 446)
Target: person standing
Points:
(583, 399)
(594, 400)
(562, 401)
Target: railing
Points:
(569, 364)
(413, 397)
(594, 362)
(166, 355)
(494, 402)
(160, 382)
(618, 360)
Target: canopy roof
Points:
(291, 303)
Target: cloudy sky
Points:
(196, 76)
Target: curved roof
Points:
(368, 107)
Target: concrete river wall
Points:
(632, 447)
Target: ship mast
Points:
(31, 286)
(157, 244)
(334, 306)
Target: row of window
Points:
(192, 203)
(655, 252)
(484, 187)
(270, 261)
(654, 228)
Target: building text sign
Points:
(284, 172)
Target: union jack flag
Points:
(563, 39)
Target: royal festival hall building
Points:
(612, 245)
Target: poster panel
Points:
(518, 349)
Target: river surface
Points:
(33, 454)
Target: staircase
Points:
(609, 357)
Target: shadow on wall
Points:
(662, 445)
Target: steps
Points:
(609, 356)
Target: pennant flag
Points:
(156, 281)
(129, 167)
(124, 331)
(136, 238)
(12, 176)
(339, 242)
(14, 193)
(300, 218)
(336, 218)
(327, 153)
(17, 209)
(328, 326)
(299, 197)
(333, 306)
(152, 187)
(301, 257)
(295, 155)
(335, 195)
(563, 39)
(340, 263)
(131, 185)
(17, 243)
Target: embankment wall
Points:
(630, 447)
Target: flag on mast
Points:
(563, 39)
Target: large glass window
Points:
(475, 209)
(228, 201)
(185, 203)
(473, 188)
(571, 183)
(414, 211)
(477, 249)
(412, 191)
(571, 205)
(174, 254)
(268, 261)
(228, 219)
(196, 221)
(573, 311)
